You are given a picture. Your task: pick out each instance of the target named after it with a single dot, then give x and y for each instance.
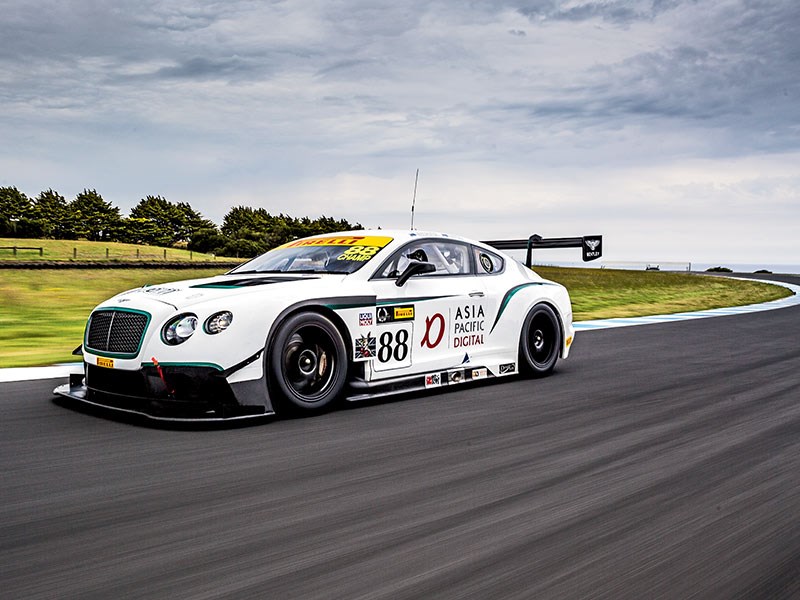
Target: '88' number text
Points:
(393, 346)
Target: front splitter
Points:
(79, 394)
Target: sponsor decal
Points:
(158, 291)
(365, 319)
(108, 363)
(569, 341)
(359, 253)
(479, 373)
(454, 377)
(508, 368)
(365, 347)
(468, 326)
(486, 263)
(353, 240)
(402, 313)
(434, 331)
(433, 380)
(466, 359)
(390, 314)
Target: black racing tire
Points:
(540, 341)
(307, 364)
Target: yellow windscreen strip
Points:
(355, 240)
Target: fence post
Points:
(74, 253)
(41, 251)
(15, 251)
(190, 255)
(137, 254)
(165, 254)
(106, 253)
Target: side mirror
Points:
(415, 267)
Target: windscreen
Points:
(334, 254)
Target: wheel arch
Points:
(321, 306)
(561, 351)
(561, 325)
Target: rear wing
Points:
(592, 245)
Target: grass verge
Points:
(83, 250)
(610, 293)
(43, 312)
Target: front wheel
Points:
(540, 341)
(307, 363)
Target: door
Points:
(435, 321)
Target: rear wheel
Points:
(540, 341)
(308, 363)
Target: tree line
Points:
(155, 221)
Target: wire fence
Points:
(76, 253)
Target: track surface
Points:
(660, 461)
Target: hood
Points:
(183, 294)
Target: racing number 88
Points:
(359, 253)
(393, 346)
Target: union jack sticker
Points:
(433, 380)
(365, 347)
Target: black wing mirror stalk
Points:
(415, 267)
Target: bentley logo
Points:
(593, 244)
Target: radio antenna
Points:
(414, 199)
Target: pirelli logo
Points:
(391, 314)
(108, 363)
(403, 313)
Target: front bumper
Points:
(169, 393)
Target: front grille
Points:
(116, 331)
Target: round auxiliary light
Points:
(218, 322)
(179, 329)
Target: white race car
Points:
(343, 316)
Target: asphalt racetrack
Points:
(660, 461)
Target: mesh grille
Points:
(116, 331)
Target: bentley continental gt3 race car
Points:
(343, 316)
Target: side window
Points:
(487, 262)
(449, 258)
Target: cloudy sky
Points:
(672, 127)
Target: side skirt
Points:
(365, 390)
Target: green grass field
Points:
(82, 250)
(609, 293)
(43, 311)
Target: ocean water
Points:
(564, 258)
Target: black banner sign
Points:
(592, 247)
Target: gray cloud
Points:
(218, 102)
(619, 12)
(202, 68)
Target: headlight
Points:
(218, 322)
(179, 329)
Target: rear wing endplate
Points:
(592, 245)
